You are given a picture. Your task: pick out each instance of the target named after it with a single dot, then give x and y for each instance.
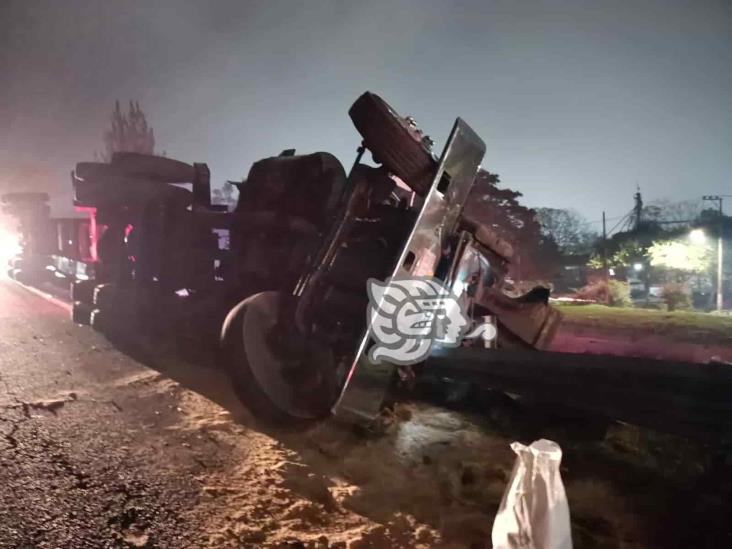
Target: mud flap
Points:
(366, 385)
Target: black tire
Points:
(121, 301)
(83, 291)
(238, 355)
(118, 322)
(105, 296)
(388, 138)
(119, 190)
(81, 313)
(99, 321)
(159, 168)
(91, 170)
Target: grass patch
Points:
(686, 325)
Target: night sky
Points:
(577, 101)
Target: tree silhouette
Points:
(536, 256)
(129, 132)
(682, 213)
(567, 228)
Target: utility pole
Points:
(720, 246)
(604, 259)
(638, 208)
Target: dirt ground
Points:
(434, 478)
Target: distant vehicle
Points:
(637, 288)
(655, 291)
(47, 249)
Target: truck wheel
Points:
(390, 139)
(277, 389)
(159, 168)
(81, 313)
(107, 322)
(104, 296)
(83, 291)
(98, 320)
(127, 190)
(90, 170)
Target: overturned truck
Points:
(291, 286)
(281, 281)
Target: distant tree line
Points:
(568, 229)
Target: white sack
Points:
(534, 513)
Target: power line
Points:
(606, 219)
(625, 218)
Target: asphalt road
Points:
(87, 458)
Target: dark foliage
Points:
(536, 257)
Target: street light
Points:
(718, 200)
(698, 237)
